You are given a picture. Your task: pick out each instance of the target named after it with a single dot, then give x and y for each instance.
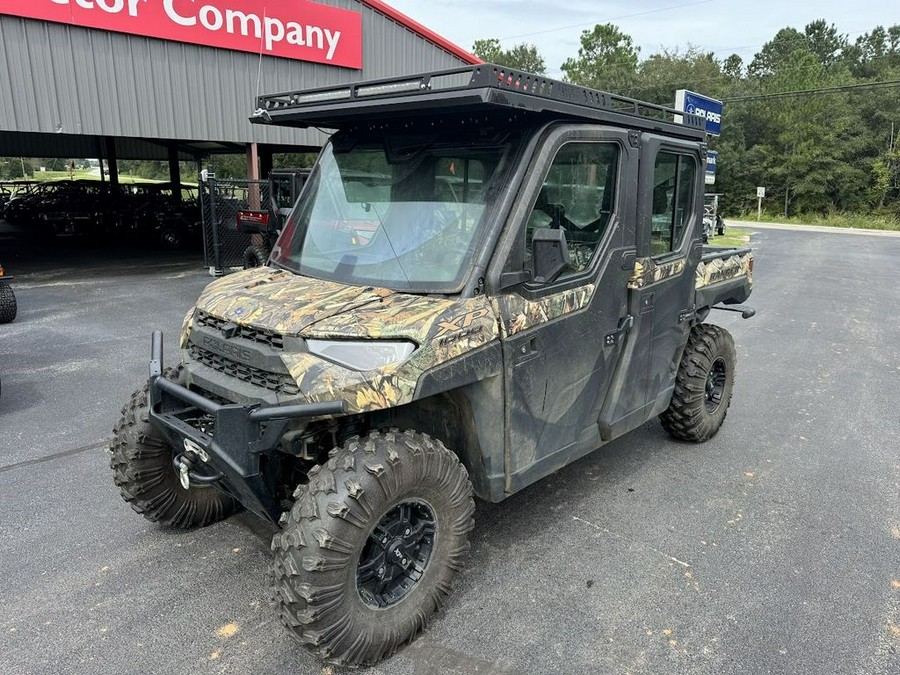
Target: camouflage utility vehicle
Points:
(487, 275)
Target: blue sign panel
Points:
(703, 106)
(712, 158)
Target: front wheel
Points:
(142, 469)
(703, 386)
(371, 546)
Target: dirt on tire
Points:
(314, 568)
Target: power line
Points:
(615, 18)
(808, 92)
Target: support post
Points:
(214, 224)
(758, 209)
(100, 158)
(265, 161)
(113, 162)
(254, 200)
(252, 161)
(175, 172)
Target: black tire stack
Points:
(8, 306)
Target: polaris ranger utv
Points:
(487, 275)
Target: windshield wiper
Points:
(391, 244)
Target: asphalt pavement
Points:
(772, 548)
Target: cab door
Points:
(562, 339)
(670, 215)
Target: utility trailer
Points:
(488, 275)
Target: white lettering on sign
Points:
(708, 114)
(231, 16)
(176, 17)
(273, 31)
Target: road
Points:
(773, 548)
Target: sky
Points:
(721, 26)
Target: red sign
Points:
(291, 29)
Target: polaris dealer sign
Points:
(290, 29)
(712, 160)
(696, 104)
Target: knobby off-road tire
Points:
(703, 386)
(8, 306)
(255, 256)
(343, 517)
(142, 469)
(720, 226)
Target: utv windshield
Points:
(405, 214)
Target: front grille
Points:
(278, 382)
(260, 335)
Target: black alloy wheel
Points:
(715, 385)
(396, 555)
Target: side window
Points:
(673, 196)
(579, 196)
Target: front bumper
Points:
(230, 457)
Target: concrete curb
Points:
(810, 228)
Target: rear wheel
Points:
(371, 546)
(8, 306)
(720, 225)
(255, 256)
(142, 469)
(703, 386)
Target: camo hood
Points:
(297, 306)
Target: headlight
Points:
(367, 355)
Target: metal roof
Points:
(63, 79)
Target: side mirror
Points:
(550, 254)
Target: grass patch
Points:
(734, 236)
(855, 221)
(51, 176)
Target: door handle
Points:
(625, 325)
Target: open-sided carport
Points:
(176, 80)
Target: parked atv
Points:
(712, 219)
(265, 225)
(453, 309)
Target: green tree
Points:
(607, 59)
(662, 74)
(523, 56)
(776, 51)
(825, 42)
(733, 68)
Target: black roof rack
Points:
(471, 89)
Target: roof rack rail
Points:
(461, 89)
